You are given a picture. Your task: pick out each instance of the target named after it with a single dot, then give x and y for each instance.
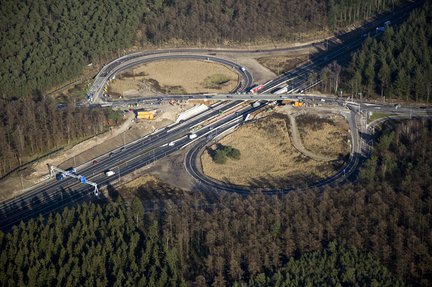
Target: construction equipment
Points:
(297, 104)
(145, 115)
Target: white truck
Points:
(281, 91)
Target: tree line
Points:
(398, 63)
(309, 237)
(345, 12)
(336, 265)
(31, 127)
(45, 44)
(89, 245)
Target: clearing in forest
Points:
(174, 77)
(268, 159)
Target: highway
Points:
(52, 195)
(49, 195)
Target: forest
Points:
(46, 43)
(374, 233)
(31, 127)
(398, 63)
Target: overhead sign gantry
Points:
(61, 174)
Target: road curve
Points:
(96, 90)
(193, 167)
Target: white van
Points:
(109, 173)
(192, 136)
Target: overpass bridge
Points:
(217, 97)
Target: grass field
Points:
(327, 135)
(175, 77)
(376, 116)
(267, 157)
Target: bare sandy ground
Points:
(280, 64)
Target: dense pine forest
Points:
(30, 127)
(376, 233)
(46, 43)
(397, 64)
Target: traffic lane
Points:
(71, 183)
(136, 147)
(102, 181)
(127, 65)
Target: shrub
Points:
(232, 152)
(219, 157)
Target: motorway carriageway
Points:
(44, 199)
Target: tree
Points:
(219, 157)
(384, 77)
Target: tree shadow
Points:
(113, 193)
(212, 151)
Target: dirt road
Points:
(297, 143)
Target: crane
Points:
(71, 172)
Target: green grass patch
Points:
(216, 81)
(376, 116)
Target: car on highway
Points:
(192, 136)
(171, 144)
(109, 173)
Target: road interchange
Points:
(51, 195)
